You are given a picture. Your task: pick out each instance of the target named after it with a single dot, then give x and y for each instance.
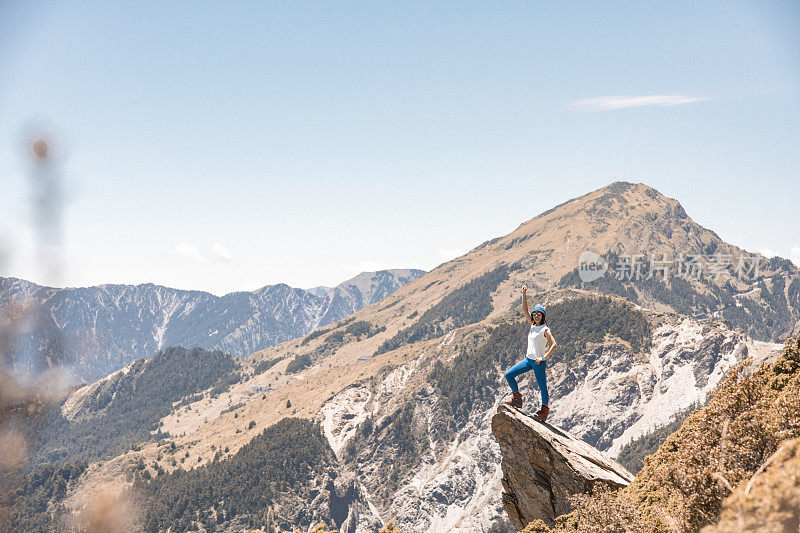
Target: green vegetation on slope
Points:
(35, 499)
(466, 305)
(471, 381)
(361, 329)
(283, 458)
(578, 321)
(402, 432)
(125, 410)
(356, 331)
(765, 320)
(300, 362)
(772, 317)
(225, 383)
(263, 366)
(313, 335)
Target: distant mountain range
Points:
(97, 330)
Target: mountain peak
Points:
(633, 217)
(617, 195)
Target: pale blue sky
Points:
(226, 146)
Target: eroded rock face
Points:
(542, 466)
(606, 397)
(609, 397)
(333, 498)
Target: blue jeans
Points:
(538, 371)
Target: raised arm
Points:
(525, 303)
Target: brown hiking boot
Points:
(516, 400)
(541, 414)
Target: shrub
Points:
(299, 363)
(263, 366)
(313, 335)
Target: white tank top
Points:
(536, 341)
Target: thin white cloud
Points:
(208, 254)
(769, 253)
(187, 251)
(220, 253)
(794, 255)
(610, 103)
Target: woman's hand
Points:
(525, 310)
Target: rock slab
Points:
(543, 465)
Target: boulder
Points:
(543, 466)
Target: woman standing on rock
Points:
(535, 359)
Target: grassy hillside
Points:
(575, 322)
(466, 305)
